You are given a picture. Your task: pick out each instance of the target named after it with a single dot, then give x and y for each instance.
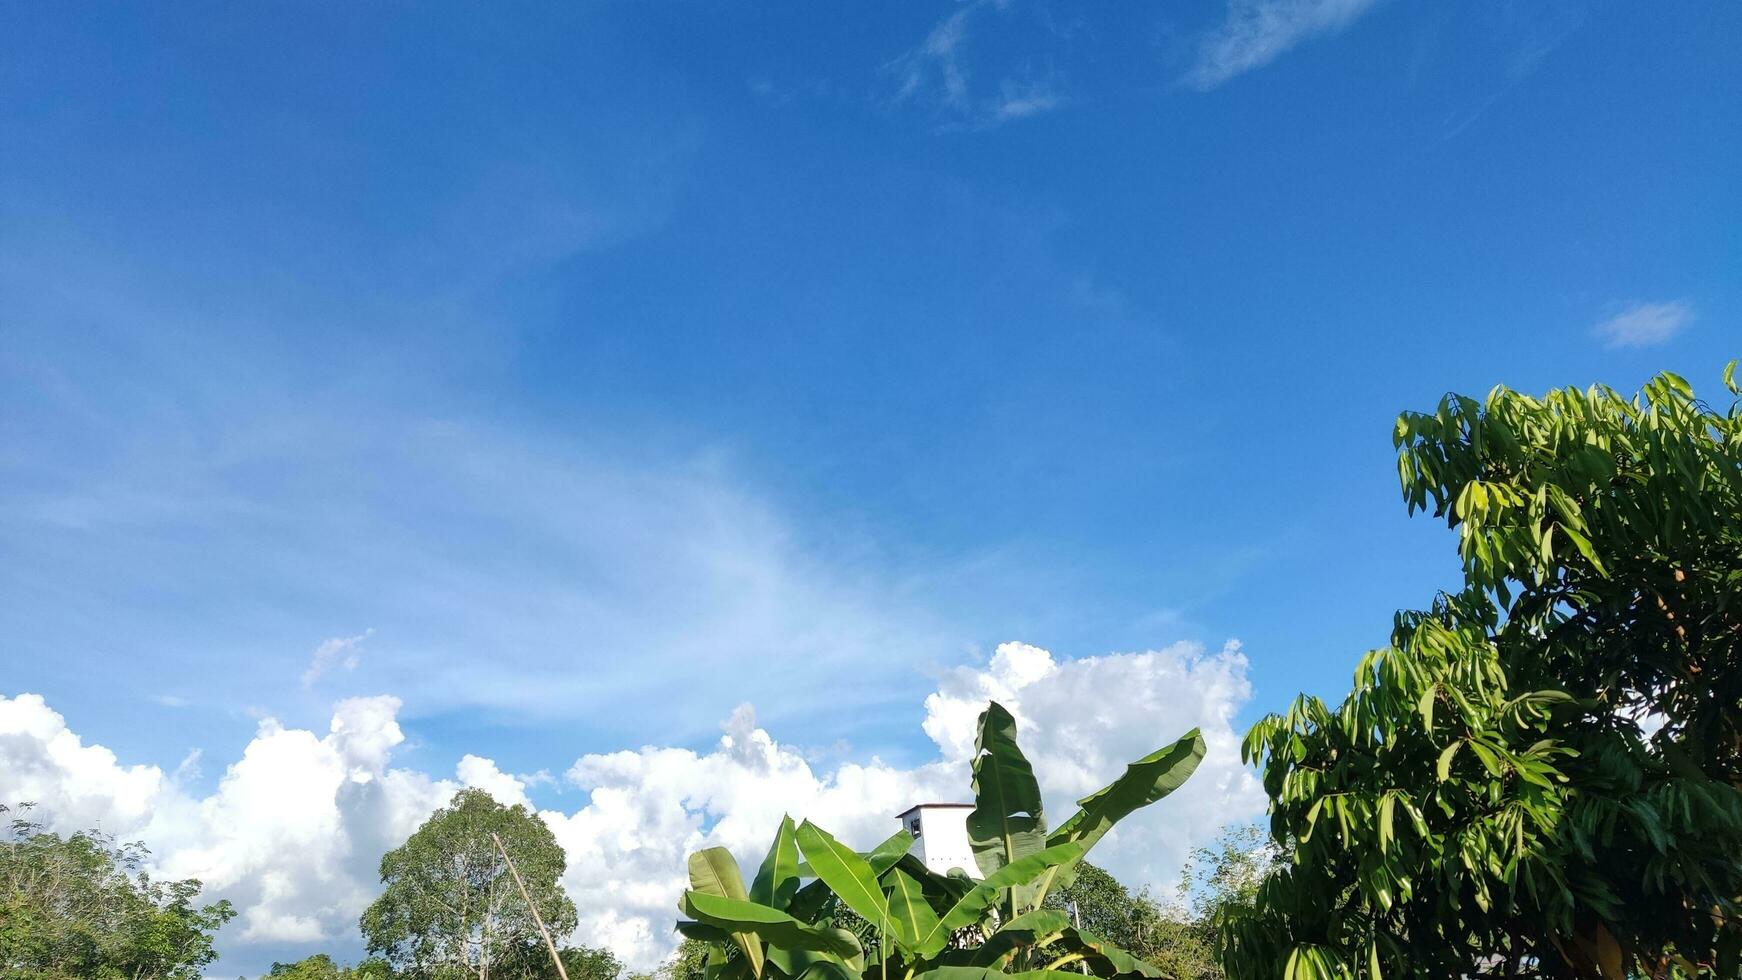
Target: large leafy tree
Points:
(1539, 776)
(818, 910)
(451, 907)
(82, 906)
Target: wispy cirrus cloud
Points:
(936, 72)
(338, 651)
(1257, 32)
(1645, 324)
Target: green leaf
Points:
(911, 917)
(970, 907)
(1111, 958)
(887, 854)
(777, 879)
(1144, 782)
(1036, 928)
(881, 858)
(1443, 768)
(776, 927)
(846, 873)
(1387, 807)
(985, 973)
(815, 963)
(1006, 823)
(714, 873)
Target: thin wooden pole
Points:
(536, 918)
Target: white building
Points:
(940, 836)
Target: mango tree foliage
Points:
(1539, 776)
(819, 910)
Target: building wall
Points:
(943, 839)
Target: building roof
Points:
(934, 806)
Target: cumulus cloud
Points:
(338, 651)
(1645, 324)
(41, 761)
(294, 828)
(1257, 32)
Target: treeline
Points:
(82, 906)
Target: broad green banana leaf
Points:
(703, 932)
(714, 872)
(1143, 782)
(911, 917)
(940, 889)
(881, 858)
(799, 962)
(846, 873)
(887, 854)
(1006, 823)
(1107, 959)
(984, 973)
(777, 879)
(1036, 928)
(739, 916)
(972, 906)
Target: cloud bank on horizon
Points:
(295, 827)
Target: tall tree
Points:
(1539, 775)
(451, 908)
(83, 906)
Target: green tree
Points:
(320, 966)
(586, 963)
(1538, 776)
(690, 962)
(450, 907)
(82, 906)
(1136, 923)
(1178, 937)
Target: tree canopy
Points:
(1538, 776)
(320, 966)
(81, 906)
(451, 908)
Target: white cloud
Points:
(338, 651)
(935, 71)
(1018, 100)
(936, 62)
(82, 785)
(1257, 32)
(294, 829)
(1645, 324)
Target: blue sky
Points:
(603, 366)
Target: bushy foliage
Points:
(82, 906)
(1538, 776)
(320, 966)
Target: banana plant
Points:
(923, 925)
